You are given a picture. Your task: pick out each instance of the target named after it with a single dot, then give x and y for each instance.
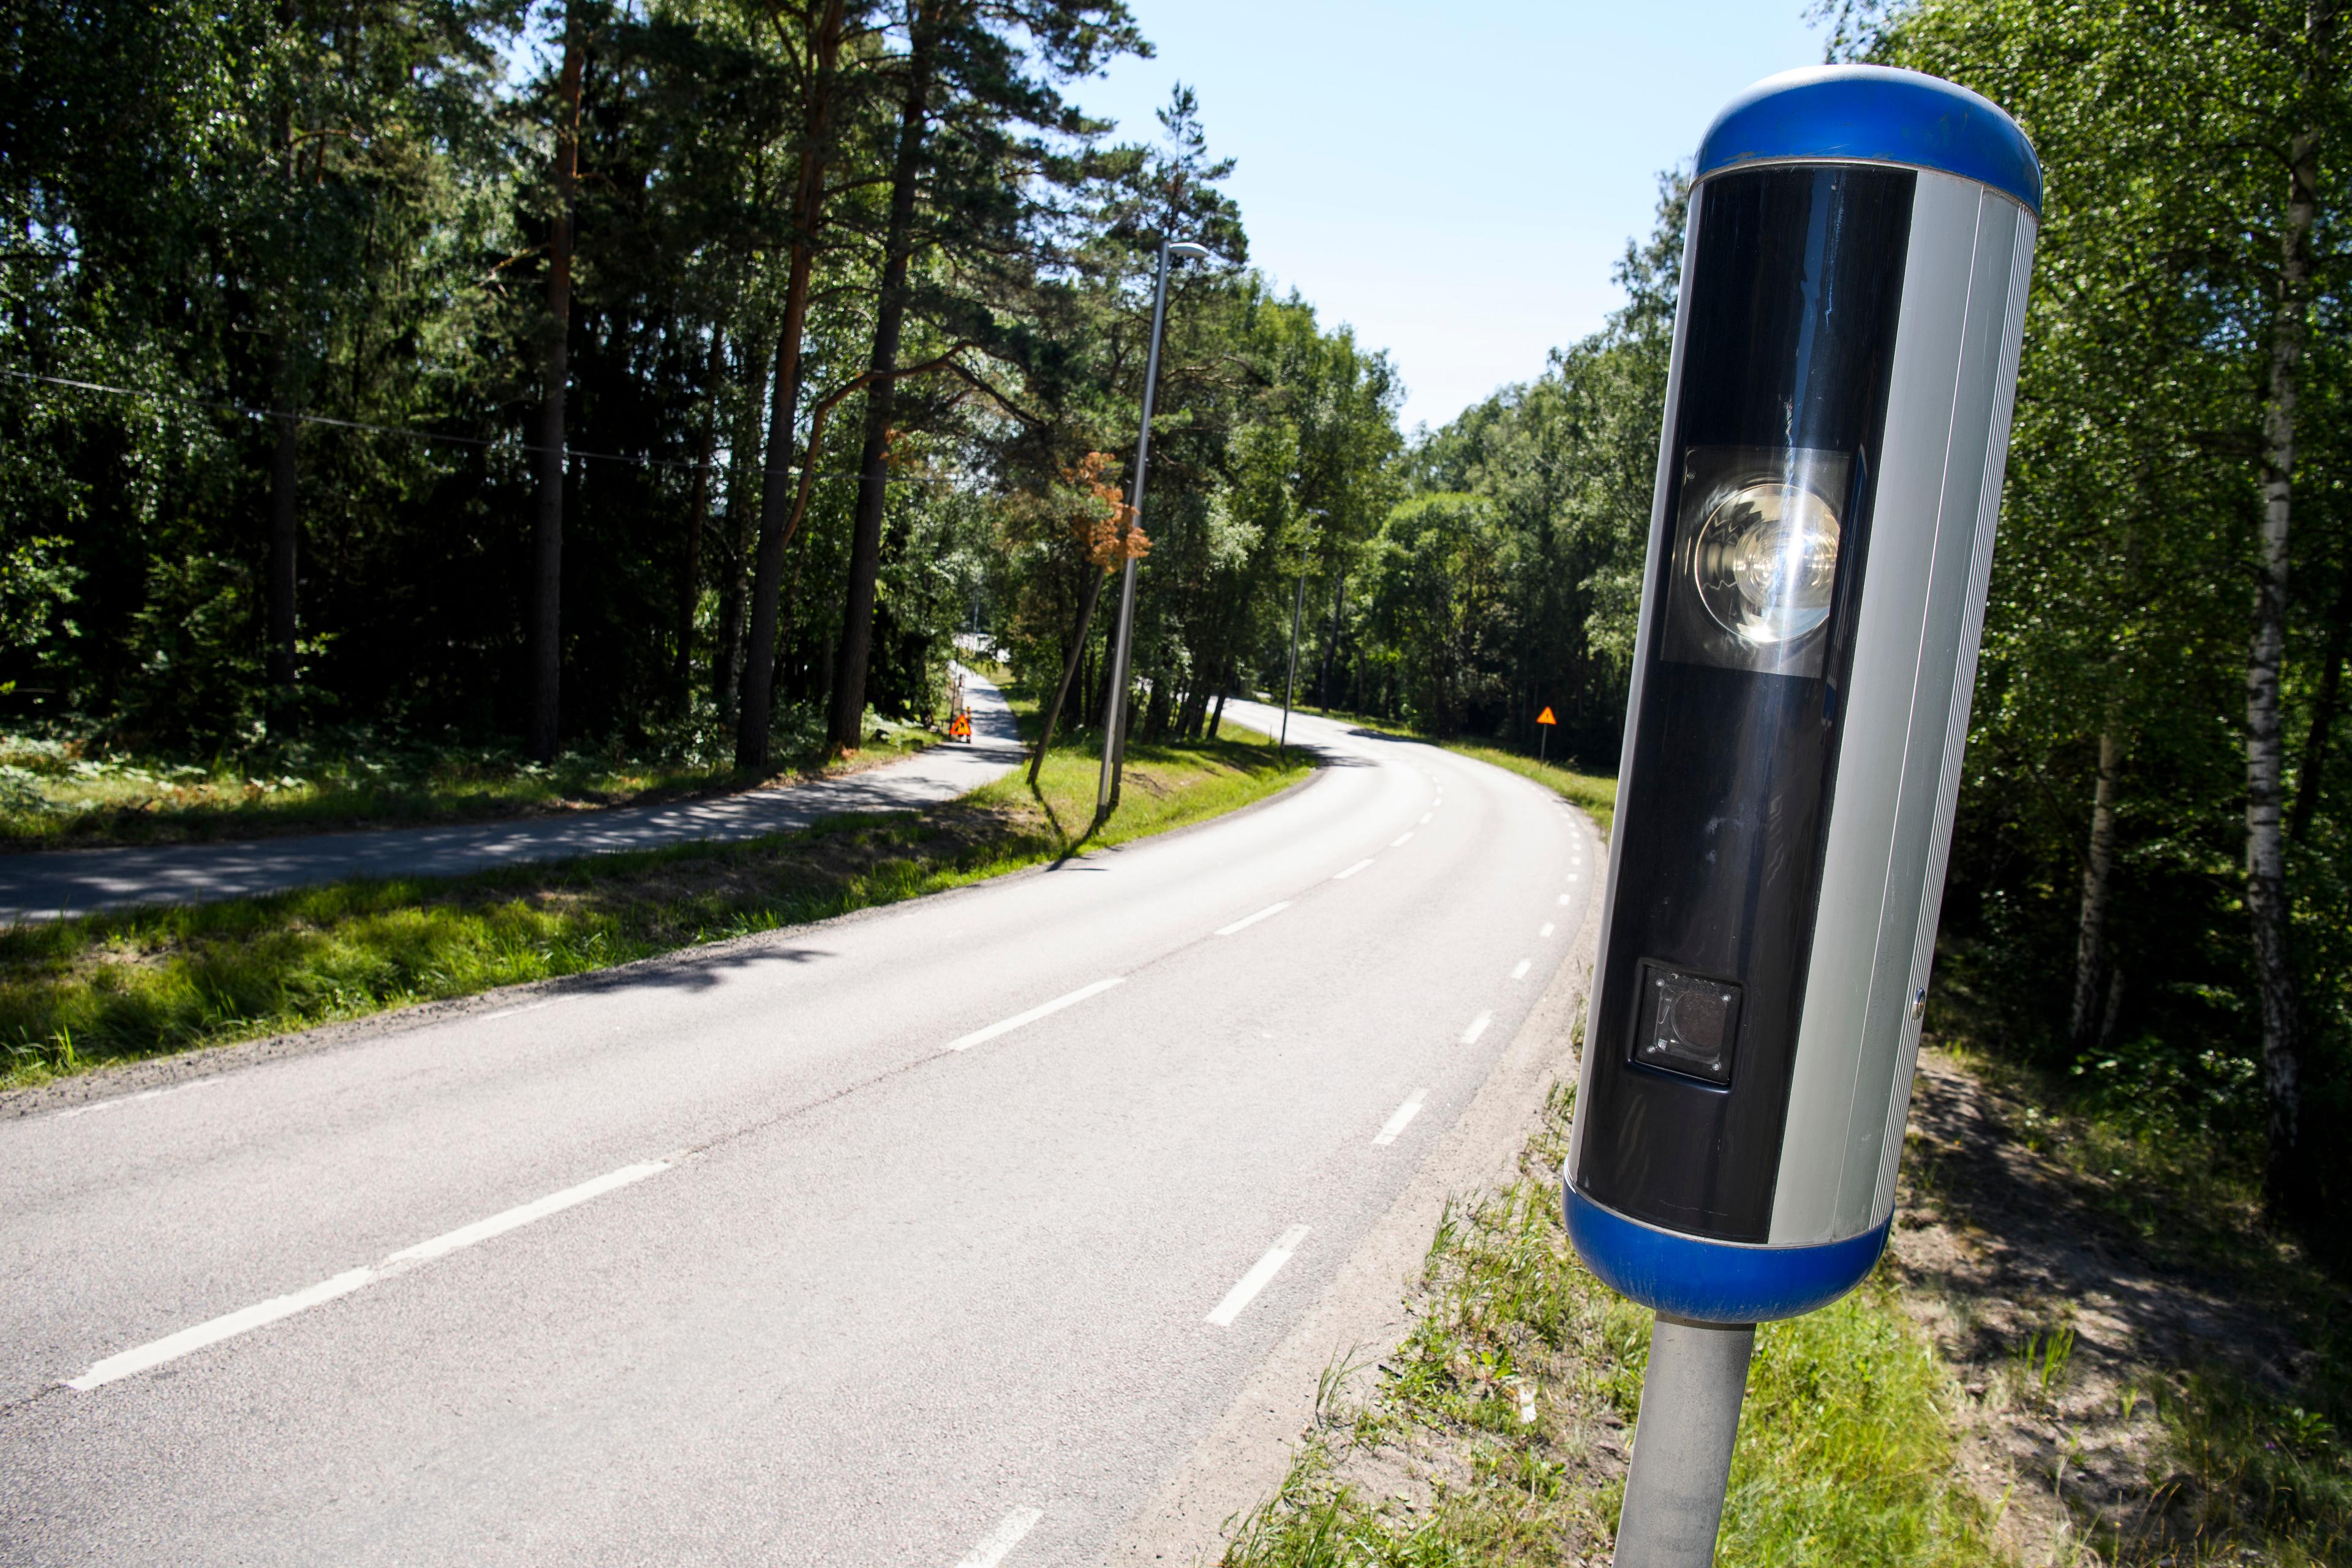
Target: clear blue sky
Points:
(1455, 180)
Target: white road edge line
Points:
(1400, 839)
(1002, 1539)
(510, 1011)
(170, 1347)
(1400, 1120)
(1519, 970)
(127, 1098)
(1478, 1027)
(1248, 920)
(1261, 1273)
(980, 1037)
(1351, 870)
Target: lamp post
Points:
(1114, 741)
(1298, 608)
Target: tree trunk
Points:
(690, 575)
(1218, 716)
(756, 717)
(1331, 644)
(284, 475)
(2326, 703)
(1069, 670)
(1155, 718)
(547, 534)
(2086, 1025)
(2266, 893)
(848, 713)
(1190, 711)
(742, 506)
(1099, 674)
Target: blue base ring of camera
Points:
(1715, 1281)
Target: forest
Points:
(677, 379)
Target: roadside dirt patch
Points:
(2068, 1338)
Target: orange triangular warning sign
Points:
(1545, 717)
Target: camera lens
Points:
(1766, 562)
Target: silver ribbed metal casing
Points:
(1905, 714)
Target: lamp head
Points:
(1185, 250)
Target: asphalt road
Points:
(810, 1284)
(47, 883)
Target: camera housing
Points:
(1829, 478)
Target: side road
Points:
(51, 884)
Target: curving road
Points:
(936, 1236)
(48, 884)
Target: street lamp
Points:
(1298, 608)
(1114, 742)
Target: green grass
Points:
(114, 987)
(1844, 1455)
(2258, 1472)
(75, 793)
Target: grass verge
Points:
(1497, 1432)
(114, 987)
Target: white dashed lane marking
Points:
(992, 1547)
(1248, 920)
(1043, 1010)
(244, 1321)
(1261, 1273)
(1400, 1120)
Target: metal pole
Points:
(1681, 1444)
(1112, 739)
(1290, 682)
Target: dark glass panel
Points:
(1795, 281)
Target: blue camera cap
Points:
(1874, 114)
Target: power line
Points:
(429, 435)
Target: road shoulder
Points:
(1362, 1315)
